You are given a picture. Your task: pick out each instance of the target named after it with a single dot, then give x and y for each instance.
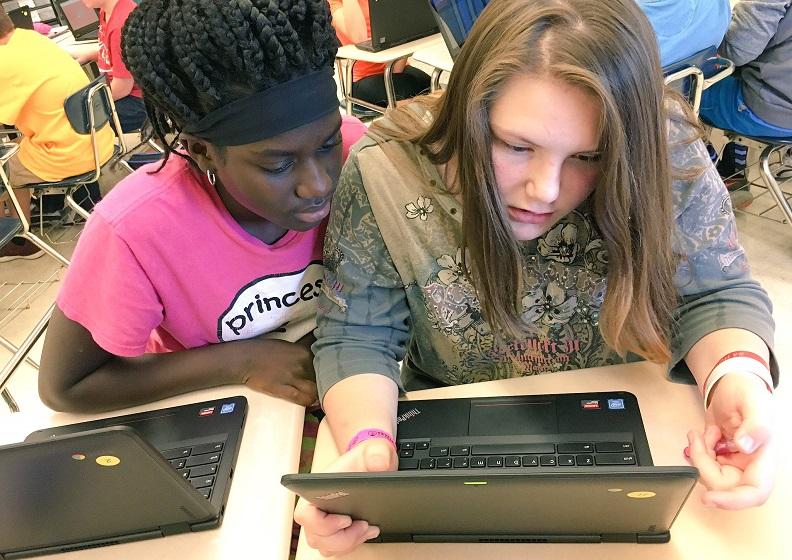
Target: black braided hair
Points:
(190, 57)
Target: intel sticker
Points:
(227, 408)
(616, 404)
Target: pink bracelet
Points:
(370, 433)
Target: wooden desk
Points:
(669, 410)
(438, 57)
(259, 511)
(349, 54)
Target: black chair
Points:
(11, 227)
(88, 110)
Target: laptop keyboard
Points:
(423, 454)
(198, 464)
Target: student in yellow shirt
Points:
(38, 76)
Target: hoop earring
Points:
(211, 177)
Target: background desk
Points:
(669, 410)
(348, 54)
(259, 511)
(438, 57)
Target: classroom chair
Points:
(455, 18)
(775, 171)
(88, 110)
(9, 228)
(692, 75)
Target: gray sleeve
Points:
(362, 321)
(713, 277)
(753, 25)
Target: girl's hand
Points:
(740, 421)
(279, 368)
(333, 534)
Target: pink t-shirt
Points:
(162, 266)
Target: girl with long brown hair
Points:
(554, 209)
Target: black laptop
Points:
(21, 17)
(395, 22)
(83, 22)
(541, 468)
(120, 479)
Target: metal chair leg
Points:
(772, 184)
(19, 356)
(82, 212)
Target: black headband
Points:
(267, 113)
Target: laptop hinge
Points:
(175, 528)
(144, 535)
(655, 538)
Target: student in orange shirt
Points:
(37, 76)
(352, 24)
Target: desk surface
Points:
(387, 55)
(436, 55)
(259, 510)
(669, 410)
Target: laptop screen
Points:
(78, 15)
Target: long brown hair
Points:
(607, 48)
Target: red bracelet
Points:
(736, 354)
(370, 433)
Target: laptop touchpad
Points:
(513, 416)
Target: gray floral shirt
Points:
(395, 288)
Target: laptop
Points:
(83, 22)
(21, 17)
(565, 468)
(395, 22)
(120, 479)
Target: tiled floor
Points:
(768, 243)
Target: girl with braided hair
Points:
(222, 242)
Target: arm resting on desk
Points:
(360, 402)
(83, 53)
(76, 374)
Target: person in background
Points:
(757, 99)
(553, 209)
(107, 55)
(352, 24)
(37, 77)
(685, 27)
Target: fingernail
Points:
(686, 451)
(372, 533)
(747, 444)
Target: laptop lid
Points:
(21, 17)
(91, 489)
(82, 20)
(534, 456)
(199, 441)
(395, 22)
(540, 505)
